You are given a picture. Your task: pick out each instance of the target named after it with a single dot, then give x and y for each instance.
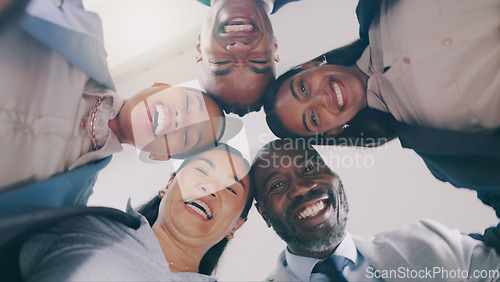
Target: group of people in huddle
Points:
(426, 72)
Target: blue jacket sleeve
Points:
(72, 188)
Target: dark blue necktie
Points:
(331, 267)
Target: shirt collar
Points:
(373, 97)
(363, 62)
(130, 210)
(302, 267)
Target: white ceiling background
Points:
(153, 41)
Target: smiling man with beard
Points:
(305, 203)
(237, 51)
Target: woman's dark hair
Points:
(211, 258)
(369, 128)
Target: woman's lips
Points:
(200, 207)
(339, 94)
(162, 119)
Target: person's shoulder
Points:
(424, 236)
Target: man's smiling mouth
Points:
(311, 210)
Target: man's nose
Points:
(300, 187)
(238, 48)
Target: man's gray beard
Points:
(330, 237)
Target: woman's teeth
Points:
(200, 207)
(340, 99)
(311, 210)
(159, 120)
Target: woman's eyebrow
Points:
(200, 102)
(305, 123)
(293, 91)
(209, 162)
(200, 136)
(232, 177)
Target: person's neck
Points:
(300, 251)
(310, 254)
(116, 128)
(181, 256)
(363, 77)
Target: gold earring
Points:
(161, 193)
(324, 61)
(230, 236)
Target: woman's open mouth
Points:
(200, 208)
(338, 93)
(162, 120)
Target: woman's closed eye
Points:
(231, 190)
(200, 170)
(186, 138)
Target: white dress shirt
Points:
(355, 269)
(436, 63)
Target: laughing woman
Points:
(162, 120)
(181, 236)
(430, 76)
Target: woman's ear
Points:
(334, 132)
(239, 223)
(162, 192)
(276, 54)
(263, 214)
(158, 157)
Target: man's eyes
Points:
(310, 168)
(258, 62)
(221, 63)
(276, 185)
